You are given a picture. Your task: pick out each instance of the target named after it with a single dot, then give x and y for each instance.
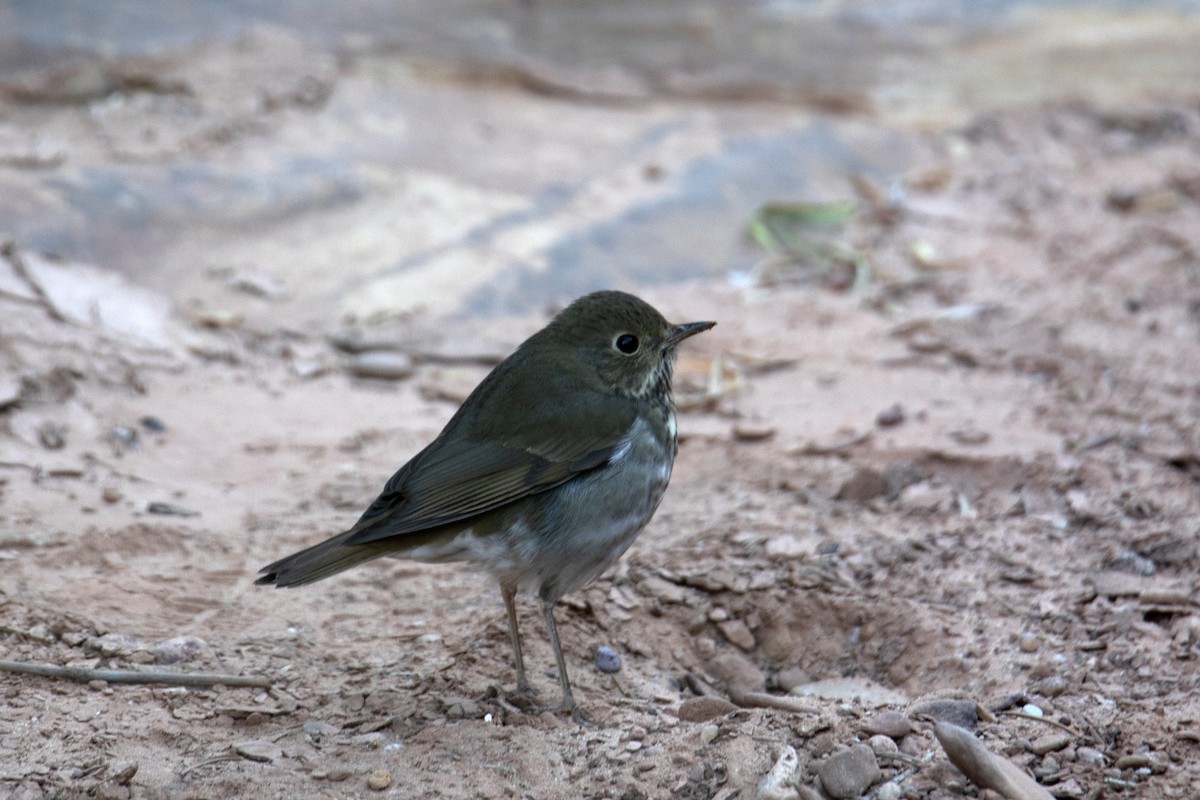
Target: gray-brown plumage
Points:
(544, 476)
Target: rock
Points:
(123, 772)
(259, 750)
(383, 364)
(865, 484)
(315, 729)
(962, 713)
(736, 673)
(119, 644)
(849, 773)
(882, 745)
(752, 432)
(1090, 755)
(10, 390)
(790, 678)
(708, 733)
(379, 780)
(702, 709)
(984, 768)
(608, 660)
(889, 791)
(892, 415)
(178, 649)
(777, 784)
(888, 723)
(1051, 742)
(738, 634)
(1051, 686)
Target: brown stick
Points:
(129, 676)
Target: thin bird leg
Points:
(568, 700)
(510, 593)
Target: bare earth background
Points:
(963, 487)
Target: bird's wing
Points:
(456, 478)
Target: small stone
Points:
(110, 494)
(736, 673)
(315, 729)
(1029, 643)
(178, 649)
(1032, 710)
(1090, 755)
(777, 784)
(1051, 742)
(123, 772)
(849, 773)
(259, 750)
(708, 733)
(790, 678)
(888, 723)
(738, 634)
(338, 775)
(382, 364)
(882, 745)
(865, 484)
(1052, 686)
(890, 416)
(702, 709)
(153, 424)
(752, 432)
(1133, 761)
(254, 718)
(379, 780)
(608, 660)
(889, 791)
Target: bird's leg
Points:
(568, 699)
(510, 593)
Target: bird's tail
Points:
(322, 560)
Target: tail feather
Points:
(322, 560)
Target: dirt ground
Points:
(963, 488)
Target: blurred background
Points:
(307, 163)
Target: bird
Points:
(544, 476)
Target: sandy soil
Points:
(973, 479)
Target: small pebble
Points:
(889, 791)
(1052, 686)
(708, 733)
(1029, 643)
(608, 660)
(1090, 755)
(1032, 710)
(892, 415)
(1051, 742)
(153, 424)
(849, 773)
(883, 745)
(383, 364)
(889, 723)
(379, 780)
(752, 432)
(702, 709)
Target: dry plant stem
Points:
(130, 676)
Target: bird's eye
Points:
(627, 343)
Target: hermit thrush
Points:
(547, 473)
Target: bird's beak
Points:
(681, 332)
